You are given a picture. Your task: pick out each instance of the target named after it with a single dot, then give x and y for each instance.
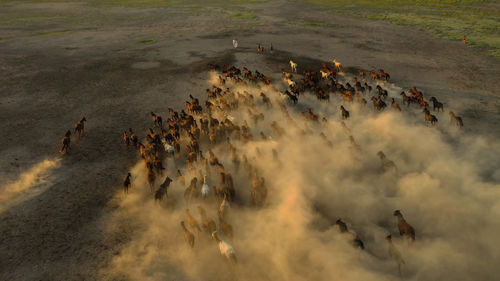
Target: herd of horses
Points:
(208, 139)
(326, 83)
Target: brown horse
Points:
(378, 103)
(404, 228)
(206, 222)
(192, 222)
(345, 113)
(374, 75)
(361, 73)
(312, 116)
(163, 190)
(457, 119)
(188, 236)
(126, 183)
(386, 164)
(151, 177)
(384, 74)
(258, 194)
(429, 117)
(66, 141)
(226, 228)
(356, 241)
(437, 104)
(395, 105)
(406, 99)
(79, 127)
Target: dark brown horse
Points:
(80, 126)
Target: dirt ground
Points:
(97, 68)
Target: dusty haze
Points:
(66, 218)
(437, 186)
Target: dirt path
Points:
(101, 71)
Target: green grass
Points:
(243, 15)
(27, 19)
(318, 24)
(478, 20)
(166, 3)
(134, 3)
(148, 41)
(46, 33)
(142, 3)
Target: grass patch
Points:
(167, 3)
(243, 15)
(134, 3)
(147, 41)
(318, 24)
(20, 19)
(478, 20)
(46, 33)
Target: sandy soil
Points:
(96, 68)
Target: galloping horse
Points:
(293, 66)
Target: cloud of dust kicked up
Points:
(311, 182)
(22, 189)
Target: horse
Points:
(324, 75)
(406, 99)
(457, 119)
(395, 105)
(126, 183)
(394, 253)
(429, 117)
(374, 75)
(437, 104)
(384, 74)
(66, 141)
(163, 190)
(361, 73)
(382, 92)
(378, 103)
(151, 177)
(345, 113)
(404, 228)
(79, 127)
(356, 241)
(293, 65)
(337, 64)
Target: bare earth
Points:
(97, 68)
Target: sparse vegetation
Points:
(478, 20)
(243, 15)
(166, 3)
(148, 41)
(27, 19)
(46, 33)
(318, 24)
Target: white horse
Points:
(205, 190)
(168, 148)
(293, 66)
(225, 248)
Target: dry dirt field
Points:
(64, 217)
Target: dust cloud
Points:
(445, 182)
(29, 184)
